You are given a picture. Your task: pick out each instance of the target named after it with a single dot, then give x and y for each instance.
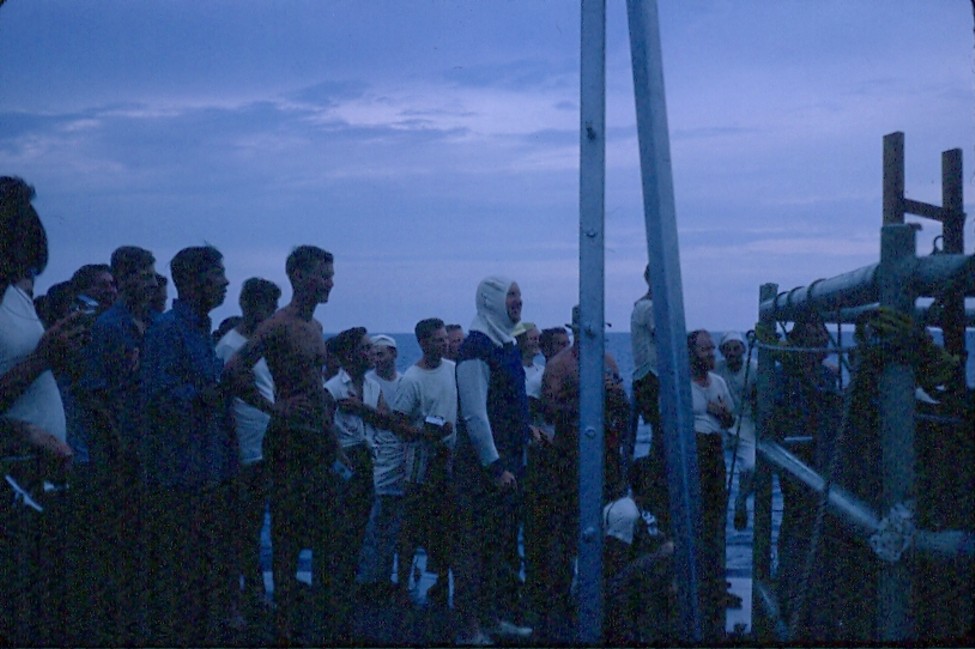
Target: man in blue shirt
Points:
(189, 456)
(105, 503)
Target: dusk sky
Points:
(429, 144)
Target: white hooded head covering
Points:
(492, 311)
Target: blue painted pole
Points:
(592, 189)
(668, 301)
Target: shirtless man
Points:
(299, 444)
(557, 471)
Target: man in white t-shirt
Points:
(646, 385)
(31, 548)
(384, 372)
(740, 377)
(382, 530)
(427, 399)
(365, 431)
(712, 410)
(258, 302)
(527, 336)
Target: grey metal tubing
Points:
(824, 295)
(896, 405)
(668, 301)
(860, 286)
(944, 544)
(764, 596)
(849, 506)
(592, 181)
(764, 627)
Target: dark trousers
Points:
(32, 570)
(551, 515)
(646, 401)
(487, 523)
(711, 554)
(352, 504)
(429, 521)
(106, 604)
(301, 499)
(253, 487)
(190, 564)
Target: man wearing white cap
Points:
(385, 517)
(384, 355)
(740, 377)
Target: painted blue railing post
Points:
(592, 182)
(671, 331)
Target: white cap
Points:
(382, 340)
(732, 336)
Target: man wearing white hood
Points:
(493, 430)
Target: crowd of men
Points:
(155, 443)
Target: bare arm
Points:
(238, 373)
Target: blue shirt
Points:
(111, 368)
(507, 404)
(186, 444)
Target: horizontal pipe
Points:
(824, 295)
(844, 503)
(859, 287)
(946, 544)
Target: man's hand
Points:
(65, 338)
(353, 404)
(720, 410)
(28, 437)
(210, 397)
(296, 408)
(539, 437)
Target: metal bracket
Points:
(895, 533)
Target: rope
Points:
(734, 454)
(799, 614)
(832, 349)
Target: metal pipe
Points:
(860, 286)
(824, 295)
(762, 536)
(943, 544)
(896, 388)
(671, 331)
(851, 508)
(592, 183)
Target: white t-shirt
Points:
(736, 382)
(643, 339)
(424, 393)
(387, 448)
(389, 387)
(20, 330)
(251, 423)
(705, 422)
(533, 380)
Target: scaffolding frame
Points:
(895, 282)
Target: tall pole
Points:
(896, 389)
(762, 538)
(668, 302)
(592, 189)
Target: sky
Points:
(429, 144)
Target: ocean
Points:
(618, 346)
